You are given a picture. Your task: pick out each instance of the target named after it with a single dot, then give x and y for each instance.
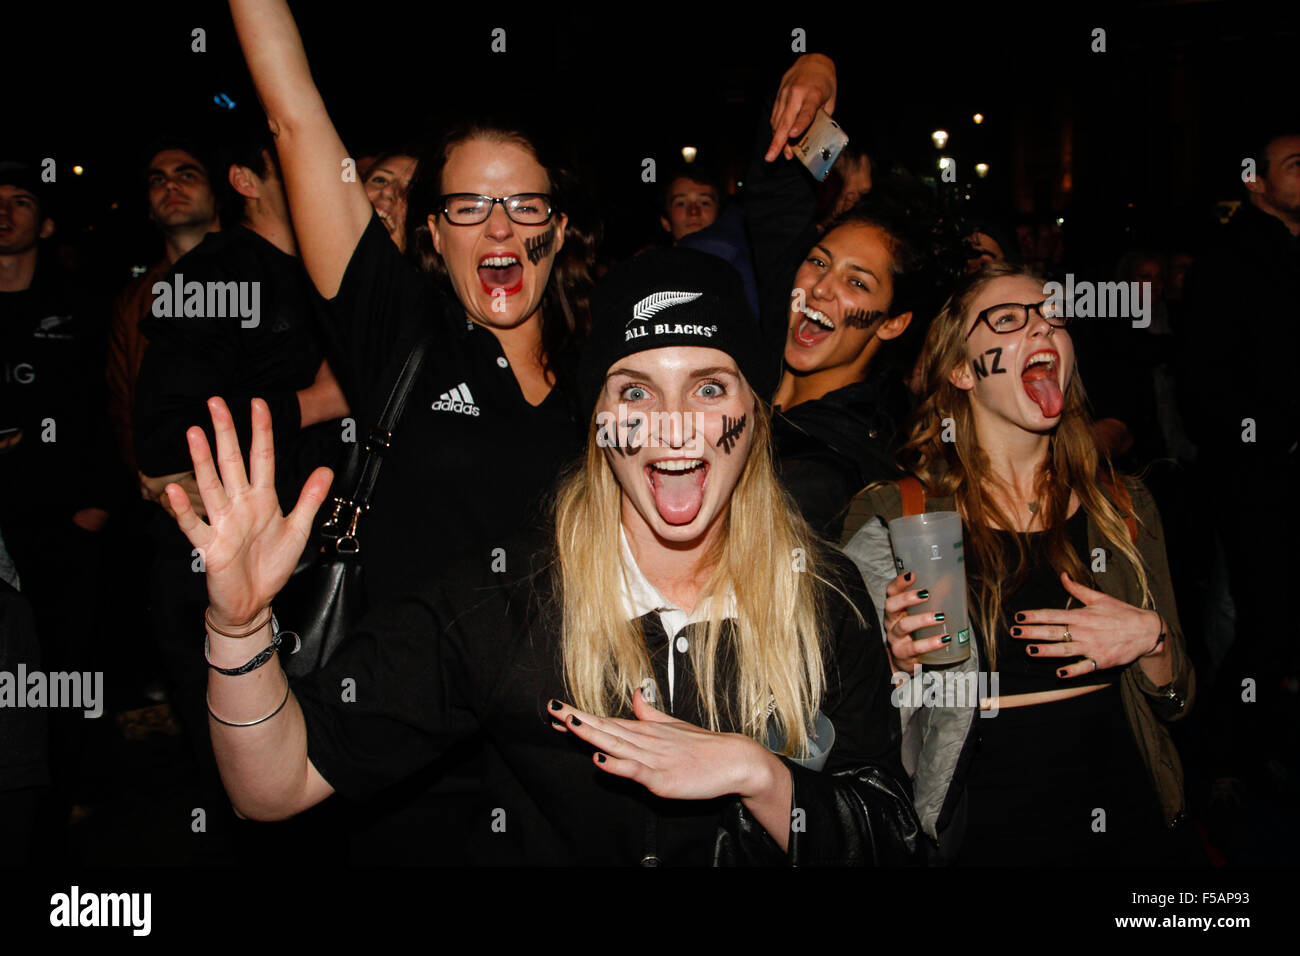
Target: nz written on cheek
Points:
(624, 442)
(981, 366)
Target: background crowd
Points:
(100, 383)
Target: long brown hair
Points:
(943, 451)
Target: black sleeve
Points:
(383, 305)
(822, 486)
(780, 220)
(407, 685)
(858, 810)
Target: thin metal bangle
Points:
(251, 723)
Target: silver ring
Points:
(1066, 636)
(1094, 665)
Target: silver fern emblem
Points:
(658, 302)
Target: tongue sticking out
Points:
(678, 496)
(1041, 386)
(504, 278)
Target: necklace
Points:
(1033, 507)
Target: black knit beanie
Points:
(670, 297)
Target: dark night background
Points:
(1136, 143)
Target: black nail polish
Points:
(1061, 672)
(556, 705)
(1033, 648)
(939, 616)
(1020, 617)
(923, 594)
(557, 725)
(1015, 632)
(907, 576)
(575, 721)
(600, 758)
(946, 639)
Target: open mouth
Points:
(812, 328)
(678, 487)
(1039, 377)
(386, 218)
(502, 271)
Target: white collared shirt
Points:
(640, 597)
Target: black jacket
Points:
(830, 449)
(479, 653)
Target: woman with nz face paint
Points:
(834, 304)
(660, 686)
(1070, 599)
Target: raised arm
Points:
(329, 213)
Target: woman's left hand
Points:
(669, 757)
(1104, 630)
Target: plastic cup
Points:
(820, 742)
(929, 545)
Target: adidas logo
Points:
(457, 400)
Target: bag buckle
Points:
(345, 542)
(378, 440)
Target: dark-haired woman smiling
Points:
(835, 306)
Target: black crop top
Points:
(1019, 673)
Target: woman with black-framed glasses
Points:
(1075, 645)
(499, 289)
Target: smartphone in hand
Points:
(820, 145)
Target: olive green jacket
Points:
(935, 736)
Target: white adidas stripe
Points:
(469, 399)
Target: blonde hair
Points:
(960, 468)
(770, 668)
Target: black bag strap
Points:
(363, 465)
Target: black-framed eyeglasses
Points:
(1014, 316)
(469, 209)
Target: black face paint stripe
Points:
(540, 245)
(863, 318)
(732, 428)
